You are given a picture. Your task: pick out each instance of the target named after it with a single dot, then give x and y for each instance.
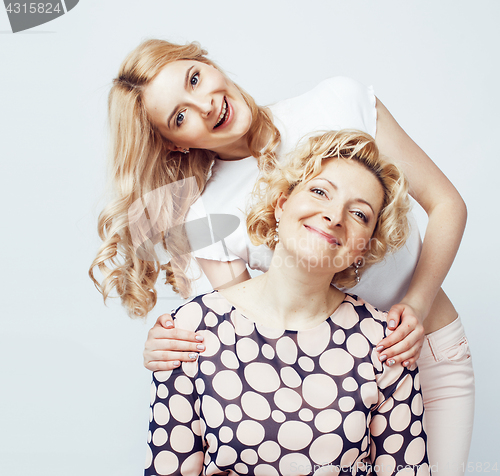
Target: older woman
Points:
(290, 382)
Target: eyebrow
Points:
(356, 199)
(186, 81)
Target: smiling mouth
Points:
(331, 239)
(224, 114)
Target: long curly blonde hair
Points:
(153, 186)
(392, 228)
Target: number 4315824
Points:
(33, 8)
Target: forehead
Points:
(165, 91)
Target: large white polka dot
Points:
(403, 389)
(338, 337)
(269, 451)
(262, 377)
(378, 425)
(287, 350)
(290, 377)
(242, 326)
(373, 330)
(306, 363)
(416, 428)
(255, 406)
(265, 470)
(161, 414)
(162, 391)
(212, 443)
(287, 400)
(163, 375)
(250, 432)
(349, 384)
(269, 332)
(294, 435)
(180, 408)
(152, 392)
(249, 456)
(207, 367)
(166, 463)
(355, 426)
(226, 333)
(200, 386)
(211, 341)
(225, 434)
(193, 463)
(369, 394)
(306, 415)
(226, 456)
(345, 317)
(268, 351)
(417, 406)
(183, 385)
(197, 405)
(386, 406)
(212, 411)
(416, 382)
(241, 468)
(229, 359)
(314, 341)
(336, 361)
(365, 370)
(211, 319)
(160, 437)
(295, 464)
(247, 349)
(190, 368)
(217, 303)
(227, 384)
(189, 317)
(326, 448)
(386, 464)
(319, 390)
(400, 417)
(181, 439)
(233, 413)
(278, 416)
(346, 404)
(328, 420)
(196, 427)
(415, 451)
(358, 346)
(349, 457)
(393, 443)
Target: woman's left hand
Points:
(405, 343)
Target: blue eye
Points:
(179, 119)
(318, 191)
(195, 79)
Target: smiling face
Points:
(194, 105)
(330, 218)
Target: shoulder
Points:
(206, 310)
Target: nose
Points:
(334, 217)
(205, 105)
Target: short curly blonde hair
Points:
(392, 228)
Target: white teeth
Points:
(222, 114)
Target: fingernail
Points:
(392, 323)
(200, 347)
(380, 348)
(391, 362)
(382, 358)
(176, 363)
(200, 338)
(193, 355)
(168, 324)
(405, 363)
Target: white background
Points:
(74, 395)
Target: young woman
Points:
(175, 115)
(290, 383)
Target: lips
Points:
(330, 238)
(224, 114)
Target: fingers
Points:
(397, 336)
(158, 331)
(169, 360)
(406, 359)
(394, 316)
(165, 321)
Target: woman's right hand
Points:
(167, 346)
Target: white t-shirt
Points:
(336, 103)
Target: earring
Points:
(185, 151)
(276, 235)
(356, 266)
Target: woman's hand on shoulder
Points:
(167, 346)
(405, 343)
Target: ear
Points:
(280, 206)
(174, 148)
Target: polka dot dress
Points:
(269, 402)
